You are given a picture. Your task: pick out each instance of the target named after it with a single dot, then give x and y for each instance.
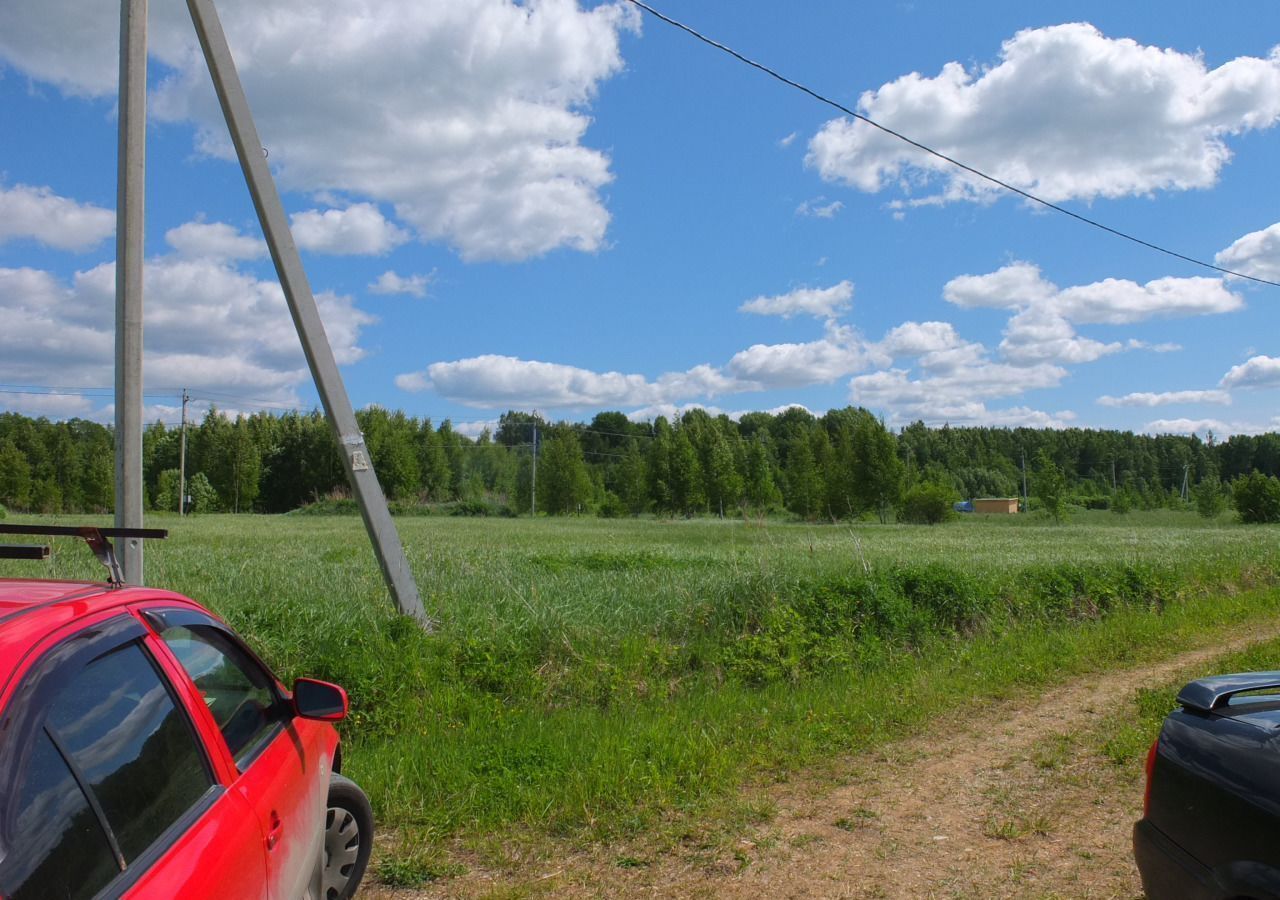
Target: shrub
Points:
(1209, 498)
(481, 508)
(928, 503)
(329, 506)
(1050, 487)
(611, 507)
(1257, 498)
(1122, 502)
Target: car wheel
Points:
(348, 838)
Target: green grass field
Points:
(595, 677)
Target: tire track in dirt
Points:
(998, 803)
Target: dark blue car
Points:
(1211, 819)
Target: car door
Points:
(105, 786)
(280, 763)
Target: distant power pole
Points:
(533, 493)
(130, 184)
(1024, 476)
(1186, 471)
(182, 458)
(1113, 474)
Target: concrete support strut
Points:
(306, 317)
(130, 195)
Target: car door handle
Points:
(277, 828)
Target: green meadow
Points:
(591, 678)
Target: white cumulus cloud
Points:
(1192, 426)
(1166, 398)
(390, 282)
(208, 326)
(468, 117)
(214, 241)
(1256, 372)
(822, 303)
(1066, 113)
(41, 215)
(1042, 328)
(1256, 254)
(494, 381)
(819, 208)
(960, 396)
(360, 229)
(839, 353)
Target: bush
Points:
(1050, 487)
(611, 507)
(1257, 498)
(329, 506)
(1209, 498)
(928, 503)
(481, 508)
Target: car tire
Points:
(348, 839)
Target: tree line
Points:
(841, 465)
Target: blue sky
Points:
(573, 207)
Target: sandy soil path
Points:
(1007, 802)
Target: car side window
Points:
(241, 696)
(135, 750)
(59, 849)
(109, 763)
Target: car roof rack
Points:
(97, 538)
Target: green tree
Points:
(877, 471)
(15, 476)
(563, 483)
(1257, 498)
(804, 485)
(760, 488)
(723, 483)
(433, 464)
(659, 467)
(1210, 500)
(686, 475)
(1050, 487)
(391, 439)
(203, 497)
(633, 480)
(928, 503)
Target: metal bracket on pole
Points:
(306, 317)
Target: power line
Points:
(942, 156)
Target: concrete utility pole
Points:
(306, 317)
(130, 196)
(182, 458)
(533, 492)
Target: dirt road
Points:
(1012, 801)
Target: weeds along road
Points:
(1014, 801)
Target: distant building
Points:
(1005, 506)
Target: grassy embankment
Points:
(593, 678)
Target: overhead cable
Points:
(942, 156)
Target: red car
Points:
(146, 752)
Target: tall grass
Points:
(598, 674)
